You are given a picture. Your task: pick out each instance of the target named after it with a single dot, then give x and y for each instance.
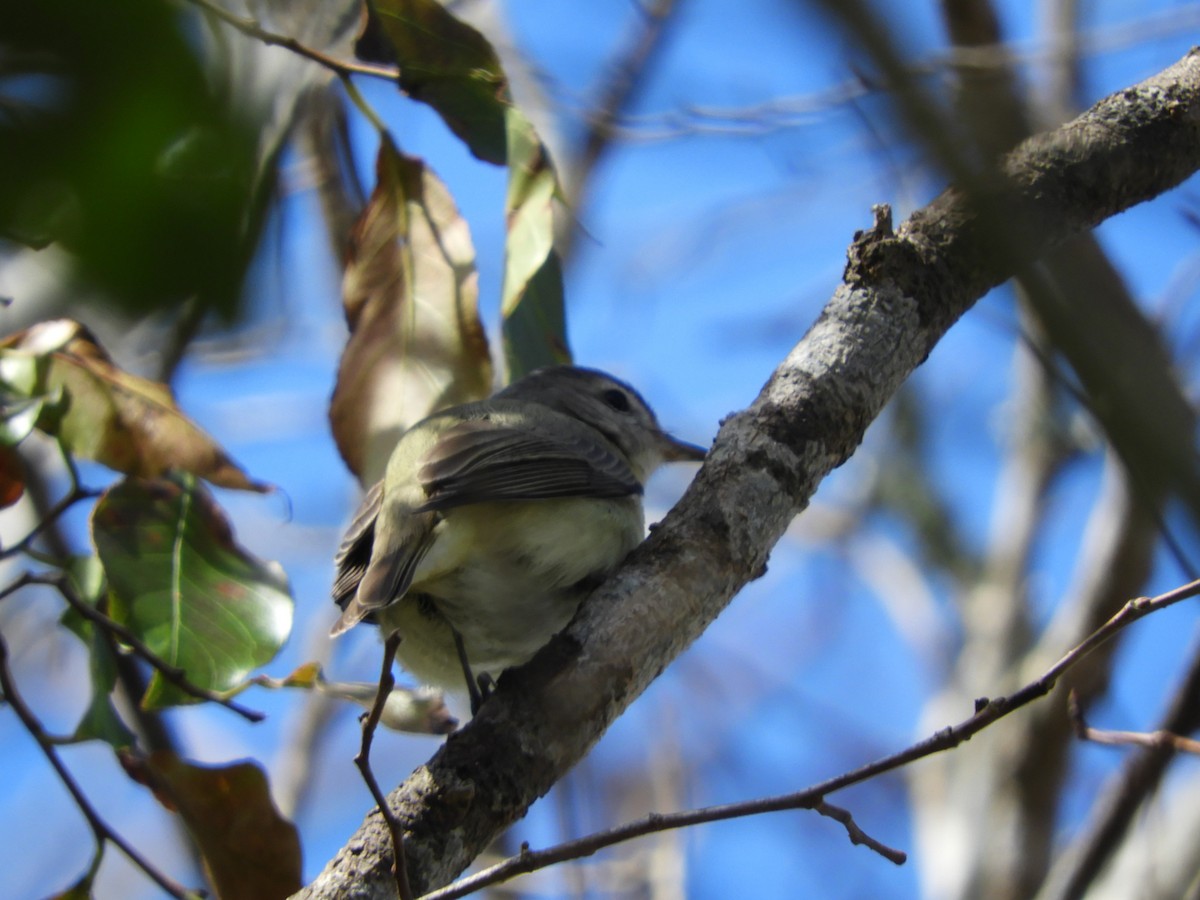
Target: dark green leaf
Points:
(182, 584)
(447, 64)
(535, 330)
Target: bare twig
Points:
(1160, 739)
(858, 836)
(987, 711)
(253, 29)
(1117, 807)
(75, 495)
(370, 722)
(530, 860)
(100, 829)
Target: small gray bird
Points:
(495, 519)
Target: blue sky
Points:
(705, 258)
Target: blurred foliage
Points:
(114, 144)
(447, 64)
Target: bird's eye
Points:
(618, 400)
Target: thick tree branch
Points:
(902, 291)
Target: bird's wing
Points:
(369, 577)
(481, 461)
(355, 552)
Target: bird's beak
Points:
(675, 450)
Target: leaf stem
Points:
(251, 28)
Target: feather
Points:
(480, 461)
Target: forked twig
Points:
(363, 760)
(1159, 739)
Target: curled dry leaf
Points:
(410, 293)
(126, 422)
(420, 710)
(249, 850)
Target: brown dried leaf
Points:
(126, 422)
(410, 293)
(250, 851)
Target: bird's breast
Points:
(508, 576)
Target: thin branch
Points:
(100, 828)
(251, 28)
(987, 711)
(1161, 739)
(1117, 807)
(180, 336)
(858, 836)
(363, 760)
(531, 860)
(757, 119)
(623, 81)
(173, 674)
(150, 726)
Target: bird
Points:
(496, 518)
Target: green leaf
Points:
(181, 584)
(532, 298)
(250, 851)
(80, 890)
(104, 413)
(100, 720)
(447, 64)
(410, 292)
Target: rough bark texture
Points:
(901, 293)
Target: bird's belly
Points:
(508, 577)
